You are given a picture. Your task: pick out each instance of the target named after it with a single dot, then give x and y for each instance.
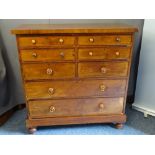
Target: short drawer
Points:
(105, 40)
(75, 107)
(105, 53)
(42, 41)
(74, 89)
(47, 55)
(48, 71)
(103, 69)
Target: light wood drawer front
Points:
(47, 55)
(45, 41)
(71, 89)
(106, 53)
(105, 40)
(75, 107)
(102, 69)
(48, 71)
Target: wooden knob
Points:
(101, 106)
(51, 90)
(91, 40)
(90, 53)
(117, 53)
(52, 109)
(34, 55)
(61, 40)
(49, 71)
(103, 70)
(118, 39)
(62, 54)
(33, 41)
(102, 87)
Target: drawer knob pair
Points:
(52, 109)
(49, 71)
(103, 70)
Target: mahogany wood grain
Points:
(75, 107)
(105, 40)
(104, 53)
(103, 69)
(71, 89)
(45, 41)
(48, 71)
(39, 55)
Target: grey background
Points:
(11, 90)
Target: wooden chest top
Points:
(73, 28)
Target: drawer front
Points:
(47, 55)
(105, 40)
(71, 89)
(45, 41)
(102, 69)
(106, 53)
(48, 71)
(75, 107)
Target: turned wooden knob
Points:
(52, 109)
(34, 55)
(49, 71)
(101, 106)
(32, 130)
(33, 41)
(103, 70)
(91, 40)
(118, 39)
(61, 40)
(62, 54)
(117, 53)
(90, 53)
(51, 90)
(102, 87)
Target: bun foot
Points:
(32, 130)
(118, 125)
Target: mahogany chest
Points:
(75, 74)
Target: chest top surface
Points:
(73, 28)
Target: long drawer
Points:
(75, 107)
(48, 71)
(103, 69)
(105, 40)
(104, 53)
(47, 55)
(41, 41)
(71, 89)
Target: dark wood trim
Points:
(8, 114)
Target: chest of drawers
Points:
(75, 74)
